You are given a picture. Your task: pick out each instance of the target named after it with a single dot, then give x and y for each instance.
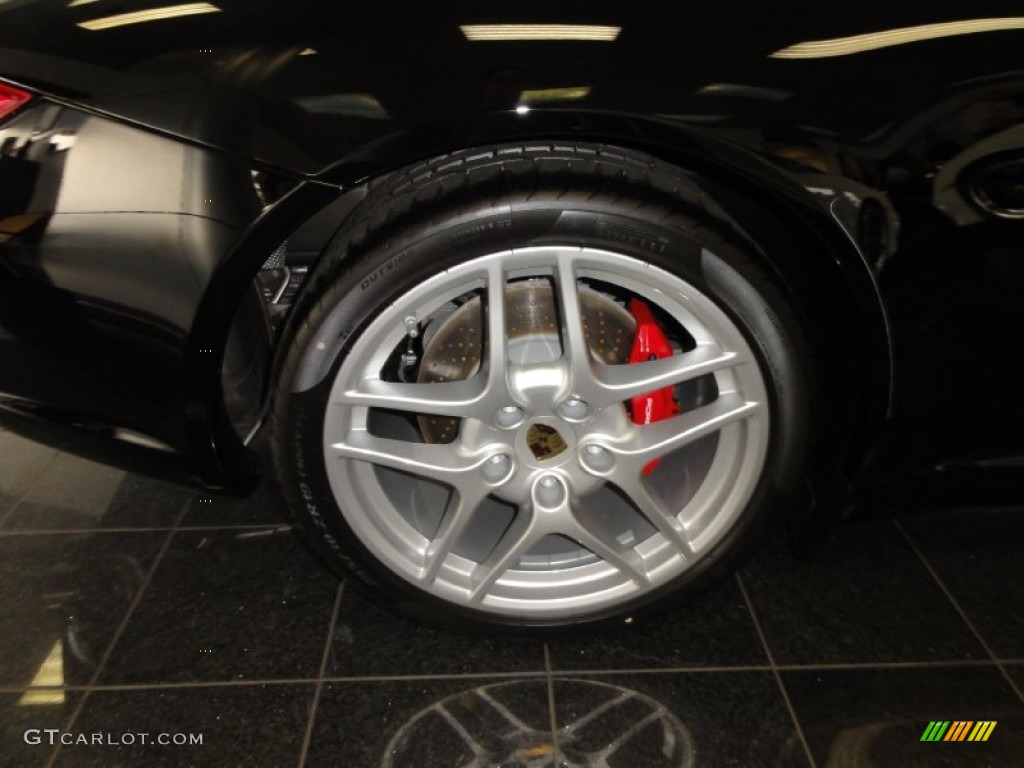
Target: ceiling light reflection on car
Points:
(744, 91)
(347, 104)
(554, 94)
(151, 14)
(477, 32)
(844, 46)
(10, 5)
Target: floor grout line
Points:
(143, 529)
(28, 489)
(775, 672)
(552, 719)
(257, 682)
(77, 711)
(963, 614)
(232, 683)
(307, 738)
(824, 667)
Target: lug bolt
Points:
(509, 416)
(597, 458)
(550, 491)
(496, 468)
(574, 408)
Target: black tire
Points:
(417, 222)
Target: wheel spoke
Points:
(441, 462)
(655, 440)
(618, 383)
(513, 544)
(461, 507)
(625, 560)
(656, 513)
(448, 398)
(575, 349)
(497, 342)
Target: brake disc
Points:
(454, 348)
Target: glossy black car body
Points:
(162, 163)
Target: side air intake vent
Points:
(997, 186)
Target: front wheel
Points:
(538, 387)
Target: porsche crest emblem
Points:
(544, 441)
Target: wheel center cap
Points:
(545, 442)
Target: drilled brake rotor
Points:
(453, 351)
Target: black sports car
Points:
(544, 311)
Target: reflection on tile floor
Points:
(446, 722)
(64, 597)
(129, 606)
(73, 493)
(672, 719)
(21, 464)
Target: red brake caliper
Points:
(650, 344)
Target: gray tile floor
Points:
(128, 606)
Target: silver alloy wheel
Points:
(490, 484)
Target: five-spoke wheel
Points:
(479, 424)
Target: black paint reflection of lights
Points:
(150, 14)
(554, 94)
(508, 32)
(844, 46)
(744, 91)
(348, 104)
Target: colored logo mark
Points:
(545, 442)
(958, 730)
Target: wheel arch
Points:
(792, 228)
